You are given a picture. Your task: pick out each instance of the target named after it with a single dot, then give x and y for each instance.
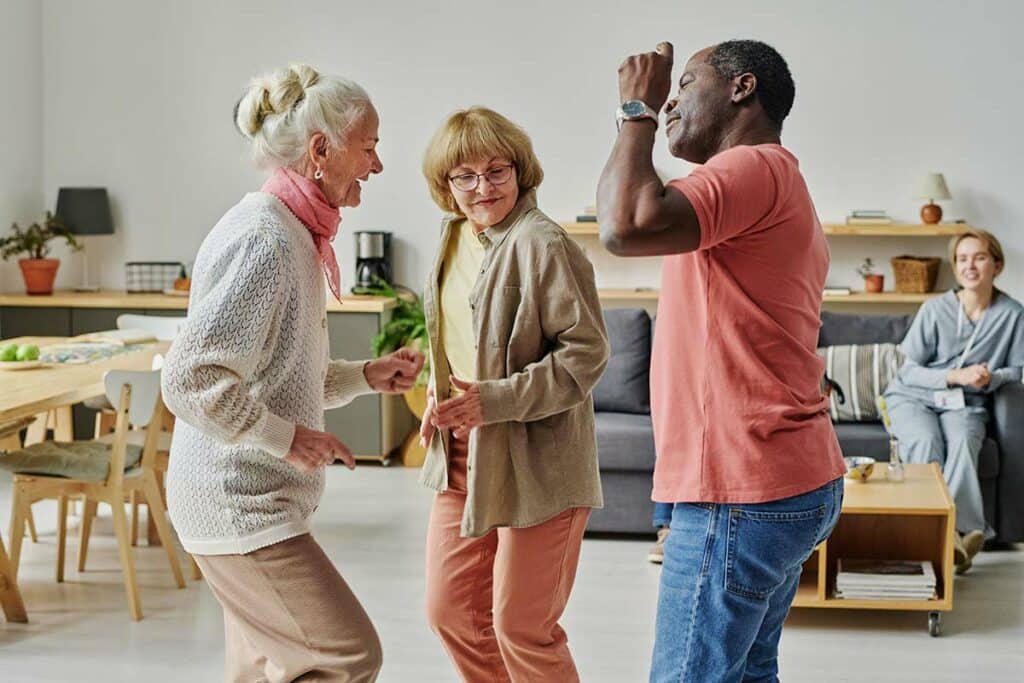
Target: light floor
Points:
(372, 522)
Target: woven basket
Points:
(914, 274)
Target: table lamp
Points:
(85, 211)
(932, 187)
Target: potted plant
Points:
(406, 328)
(874, 281)
(38, 271)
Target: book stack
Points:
(589, 215)
(831, 290)
(885, 580)
(868, 217)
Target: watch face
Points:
(633, 108)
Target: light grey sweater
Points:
(933, 348)
(249, 364)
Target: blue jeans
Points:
(728, 579)
(662, 515)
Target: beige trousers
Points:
(289, 616)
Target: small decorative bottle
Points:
(895, 469)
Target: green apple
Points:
(8, 352)
(28, 352)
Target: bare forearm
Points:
(628, 175)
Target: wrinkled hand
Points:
(312, 450)
(976, 376)
(462, 413)
(427, 427)
(395, 372)
(647, 76)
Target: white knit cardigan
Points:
(249, 364)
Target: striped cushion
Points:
(863, 371)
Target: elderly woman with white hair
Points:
(249, 378)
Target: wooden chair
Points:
(135, 396)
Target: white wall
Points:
(21, 122)
(138, 97)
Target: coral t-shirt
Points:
(739, 415)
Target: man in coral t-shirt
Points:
(746, 450)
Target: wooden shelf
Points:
(628, 294)
(351, 303)
(854, 298)
(582, 228)
(896, 230)
(881, 298)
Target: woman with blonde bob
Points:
(517, 342)
(961, 347)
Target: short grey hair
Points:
(280, 111)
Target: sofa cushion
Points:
(862, 371)
(625, 385)
(840, 328)
(625, 442)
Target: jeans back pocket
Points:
(765, 546)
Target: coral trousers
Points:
(495, 601)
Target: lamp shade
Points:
(85, 210)
(933, 186)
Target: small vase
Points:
(39, 274)
(874, 283)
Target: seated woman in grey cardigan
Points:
(961, 347)
(249, 378)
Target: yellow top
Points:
(463, 258)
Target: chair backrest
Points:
(163, 328)
(145, 390)
(135, 396)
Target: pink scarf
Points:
(307, 201)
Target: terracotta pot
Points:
(39, 274)
(874, 283)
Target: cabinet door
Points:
(85, 320)
(19, 321)
(165, 312)
(358, 424)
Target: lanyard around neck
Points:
(959, 327)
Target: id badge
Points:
(950, 399)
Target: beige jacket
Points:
(542, 347)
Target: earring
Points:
(319, 174)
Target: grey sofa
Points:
(625, 437)
(1001, 461)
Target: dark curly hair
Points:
(775, 88)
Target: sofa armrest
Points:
(1007, 409)
(1008, 428)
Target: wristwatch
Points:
(635, 110)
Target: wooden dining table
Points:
(54, 387)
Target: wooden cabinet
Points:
(372, 426)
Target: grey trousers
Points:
(952, 438)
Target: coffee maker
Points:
(373, 259)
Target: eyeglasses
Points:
(467, 182)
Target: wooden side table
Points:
(881, 520)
